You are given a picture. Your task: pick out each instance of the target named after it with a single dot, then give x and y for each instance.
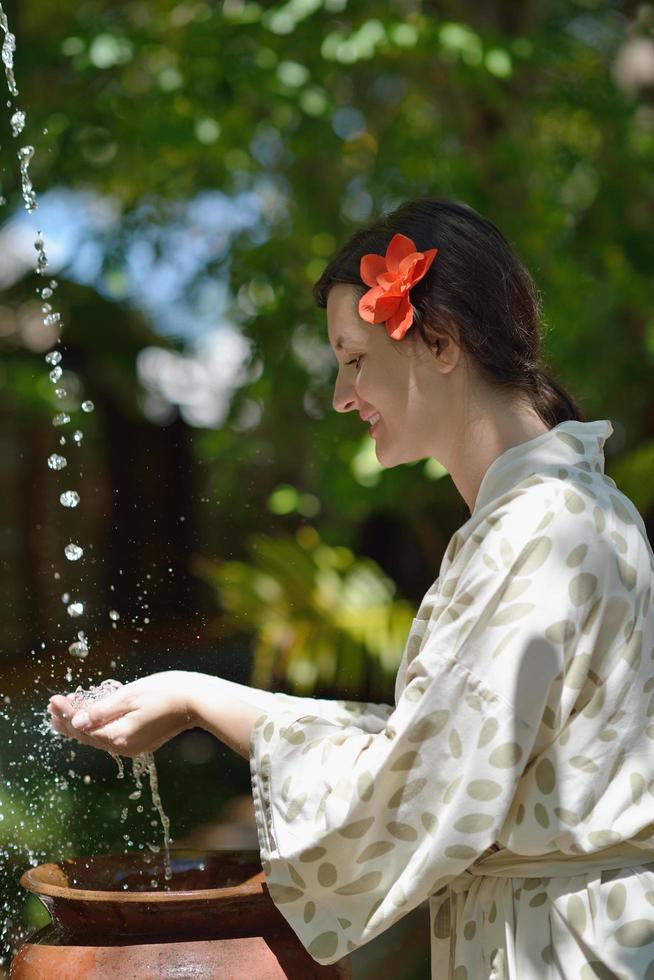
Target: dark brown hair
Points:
(477, 284)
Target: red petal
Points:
(408, 264)
(398, 324)
(390, 281)
(377, 305)
(370, 267)
(423, 265)
(398, 248)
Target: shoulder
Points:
(534, 505)
(548, 511)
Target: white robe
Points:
(522, 736)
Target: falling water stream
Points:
(79, 646)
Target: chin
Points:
(389, 459)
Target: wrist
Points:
(189, 696)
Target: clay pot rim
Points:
(32, 884)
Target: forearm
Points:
(221, 708)
(254, 696)
(216, 698)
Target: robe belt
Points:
(555, 864)
(506, 864)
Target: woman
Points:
(511, 783)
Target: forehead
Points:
(344, 325)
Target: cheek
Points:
(382, 390)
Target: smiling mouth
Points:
(374, 421)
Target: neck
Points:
(481, 439)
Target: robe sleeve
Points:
(368, 716)
(357, 828)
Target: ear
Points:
(446, 351)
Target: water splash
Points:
(145, 763)
(8, 48)
(25, 851)
(141, 764)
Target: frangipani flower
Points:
(391, 277)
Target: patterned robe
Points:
(512, 783)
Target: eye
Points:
(355, 360)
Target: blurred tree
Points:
(324, 621)
(538, 115)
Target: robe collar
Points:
(567, 444)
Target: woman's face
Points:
(399, 381)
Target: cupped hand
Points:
(137, 717)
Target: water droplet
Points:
(62, 440)
(79, 648)
(57, 462)
(42, 259)
(113, 615)
(51, 319)
(55, 374)
(53, 284)
(46, 308)
(17, 122)
(77, 436)
(46, 292)
(25, 155)
(53, 357)
(73, 552)
(87, 406)
(136, 795)
(76, 609)
(65, 598)
(60, 392)
(69, 498)
(61, 419)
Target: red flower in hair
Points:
(391, 277)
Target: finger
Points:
(98, 713)
(114, 735)
(57, 726)
(61, 705)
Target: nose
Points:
(345, 399)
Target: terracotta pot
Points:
(213, 919)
